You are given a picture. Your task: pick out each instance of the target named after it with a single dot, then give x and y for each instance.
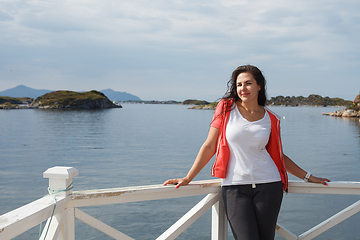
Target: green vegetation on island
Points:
(195, 102)
(311, 100)
(356, 104)
(74, 100)
(11, 102)
(61, 100)
(200, 104)
(208, 106)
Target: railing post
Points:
(60, 178)
(219, 221)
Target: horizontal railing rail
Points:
(60, 208)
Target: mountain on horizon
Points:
(119, 96)
(24, 91)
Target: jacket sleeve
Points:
(219, 167)
(217, 120)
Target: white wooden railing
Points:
(60, 208)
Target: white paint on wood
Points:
(26, 217)
(331, 222)
(61, 172)
(285, 233)
(218, 221)
(141, 193)
(347, 188)
(54, 228)
(93, 222)
(69, 225)
(60, 179)
(190, 217)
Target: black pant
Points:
(252, 212)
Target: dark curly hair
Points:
(231, 93)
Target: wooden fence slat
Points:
(331, 222)
(69, 226)
(285, 233)
(53, 229)
(190, 217)
(218, 221)
(93, 222)
(28, 216)
(338, 188)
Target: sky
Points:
(178, 50)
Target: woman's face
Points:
(247, 87)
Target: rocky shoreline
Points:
(352, 111)
(344, 113)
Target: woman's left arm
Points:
(297, 171)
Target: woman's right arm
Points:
(206, 152)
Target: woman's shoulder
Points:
(272, 114)
(225, 102)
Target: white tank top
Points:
(249, 161)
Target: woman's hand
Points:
(177, 181)
(295, 170)
(206, 152)
(314, 179)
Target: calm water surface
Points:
(147, 144)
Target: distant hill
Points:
(195, 102)
(24, 91)
(311, 100)
(74, 100)
(119, 96)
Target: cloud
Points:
(5, 17)
(197, 43)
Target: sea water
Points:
(143, 144)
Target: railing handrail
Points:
(153, 192)
(142, 193)
(294, 186)
(19, 220)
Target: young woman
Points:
(246, 137)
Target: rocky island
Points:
(351, 111)
(62, 100)
(73, 100)
(311, 100)
(10, 102)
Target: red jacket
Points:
(274, 146)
